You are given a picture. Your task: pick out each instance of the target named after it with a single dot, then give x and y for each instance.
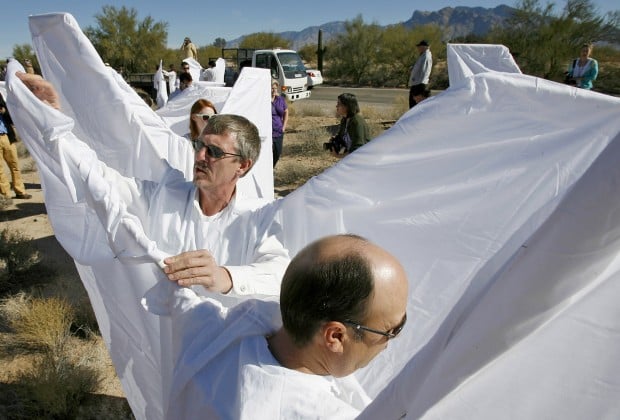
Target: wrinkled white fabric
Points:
(220, 68)
(176, 112)
(229, 348)
(469, 59)
(195, 68)
(503, 207)
(131, 139)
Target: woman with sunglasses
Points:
(200, 113)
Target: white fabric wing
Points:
(469, 59)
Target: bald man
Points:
(342, 299)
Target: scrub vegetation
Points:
(542, 36)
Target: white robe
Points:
(241, 237)
(228, 349)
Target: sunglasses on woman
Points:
(205, 117)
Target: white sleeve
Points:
(263, 275)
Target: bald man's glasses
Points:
(389, 334)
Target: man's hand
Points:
(41, 88)
(198, 267)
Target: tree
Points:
(308, 53)
(24, 52)
(210, 52)
(543, 41)
(266, 40)
(123, 40)
(219, 43)
(398, 50)
(354, 52)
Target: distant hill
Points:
(456, 21)
(461, 21)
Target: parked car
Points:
(314, 78)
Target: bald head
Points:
(334, 279)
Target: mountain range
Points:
(455, 21)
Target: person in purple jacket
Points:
(279, 118)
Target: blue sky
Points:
(203, 21)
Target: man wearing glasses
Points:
(342, 299)
(230, 249)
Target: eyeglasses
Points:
(212, 151)
(205, 117)
(389, 334)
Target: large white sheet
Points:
(501, 196)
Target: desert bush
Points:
(20, 265)
(71, 288)
(28, 165)
(64, 370)
(16, 251)
(22, 151)
(5, 202)
(40, 323)
(57, 383)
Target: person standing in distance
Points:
(189, 49)
(279, 119)
(420, 71)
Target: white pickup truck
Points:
(285, 65)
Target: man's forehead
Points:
(220, 139)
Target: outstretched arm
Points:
(41, 88)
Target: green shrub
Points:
(20, 265)
(16, 251)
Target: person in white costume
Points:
(343, 298)
(229, 248)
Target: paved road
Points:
(365, 96)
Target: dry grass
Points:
(63, 369)
(40, 323)
(311, 125)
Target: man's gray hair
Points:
(243, 130)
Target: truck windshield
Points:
(292, 65)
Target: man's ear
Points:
(334, 335)
(245, 167)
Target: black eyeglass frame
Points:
(212, 150)
(393, 333)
